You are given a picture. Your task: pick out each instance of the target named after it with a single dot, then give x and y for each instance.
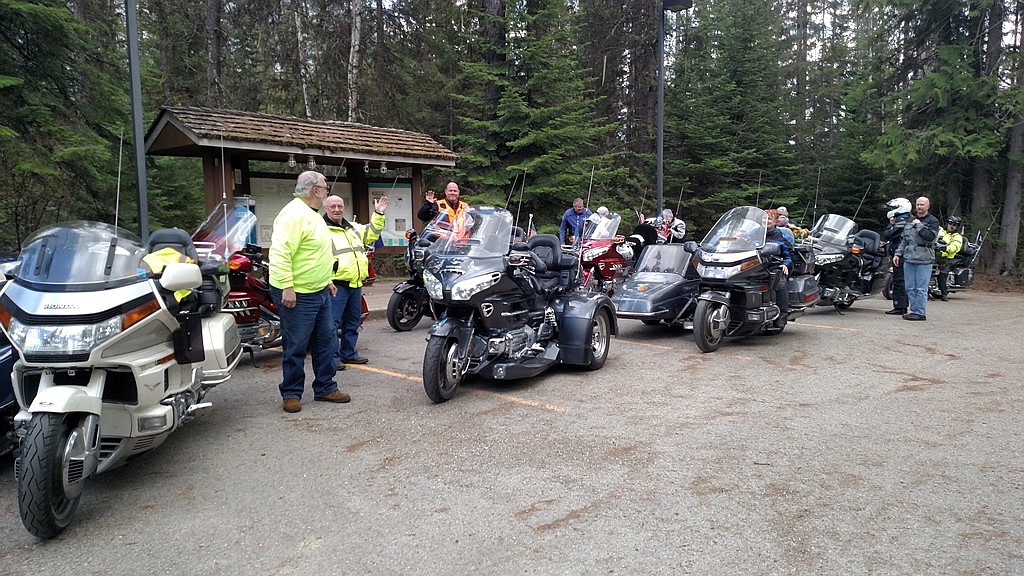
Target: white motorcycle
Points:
(113, 358)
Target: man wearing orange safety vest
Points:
(450, 205)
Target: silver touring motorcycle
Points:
(112, 356)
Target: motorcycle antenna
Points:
(117, 197)
(758, 201)
(511, 191)
(679, 202)
(862, 201)
(590, 188)
(522, 189)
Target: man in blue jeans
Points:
(916, 252)
(301, 263)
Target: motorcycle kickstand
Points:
(838, 309)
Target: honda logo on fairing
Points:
(487, 309)
(59, 306)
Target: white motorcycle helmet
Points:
(899, 206)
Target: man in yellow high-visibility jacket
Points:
(350, 241)
(154, 263)
(301, 264)
(951, 237)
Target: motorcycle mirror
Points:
(690, 246)
(180, 276)
(771, 249)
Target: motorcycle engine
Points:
(516, 344)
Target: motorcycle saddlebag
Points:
(963, 277)
(803, 290)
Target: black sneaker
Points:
(915, 317)
(897, 312)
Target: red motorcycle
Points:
(605, 256)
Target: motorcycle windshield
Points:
(225, 231)
(663, 259)
(741, 229)
(833, 229)
(81, 256)
(483, 232)
(600, 228)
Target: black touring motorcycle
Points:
(737, 286)
(847, 263)
(505, 310)
(410, 301)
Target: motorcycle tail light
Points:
(5, 317)
(239, 263)
(855, 249)
(137, 314)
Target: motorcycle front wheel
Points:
(46, 501)
(404, 311)
(441, 371)
(710, 322)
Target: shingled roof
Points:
(185, 131)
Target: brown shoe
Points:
(338, 397)
(291, 405)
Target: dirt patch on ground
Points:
(997, 283)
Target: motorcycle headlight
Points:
(433, 286)
(77, 339)
(467, 288)
(822, 259)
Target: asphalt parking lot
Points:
(853, 443)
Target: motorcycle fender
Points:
(65, 399)
(715, 296)
(451, 326)
(403, 287)
(574, 327)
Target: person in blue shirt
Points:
(784, 264)
(572, 222)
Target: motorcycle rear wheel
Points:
(710, 322)
(887, 287)
(404, 311)
(441, 371)
(46, 505)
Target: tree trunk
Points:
(380, 60)
(1009, 225)
(164, 44)
(298, 7)
(355, 8)
(494, 40)
(214, 95)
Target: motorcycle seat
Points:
(548, 249)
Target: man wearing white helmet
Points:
(898, 216)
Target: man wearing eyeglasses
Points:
(350, 240)
(301, 264)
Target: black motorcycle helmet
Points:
(954, 220)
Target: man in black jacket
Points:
(916, 252)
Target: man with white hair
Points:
(301, 263)
(670, 228)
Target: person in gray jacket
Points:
(916, 252)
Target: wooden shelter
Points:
(360, 161)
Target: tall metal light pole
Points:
(673, 6)
(132, 25)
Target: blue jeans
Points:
(916, 277)
(347, 307)
(307, 326)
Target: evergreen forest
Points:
(818, 105)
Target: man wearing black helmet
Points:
(953, 240)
